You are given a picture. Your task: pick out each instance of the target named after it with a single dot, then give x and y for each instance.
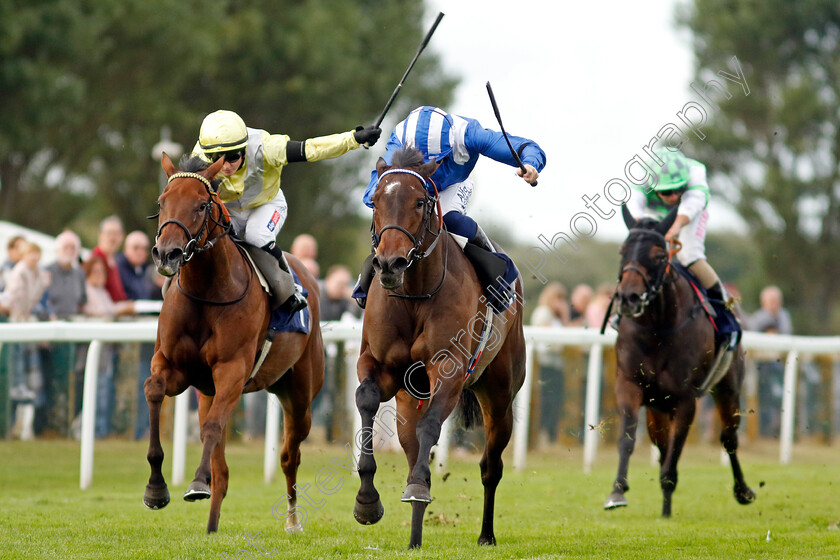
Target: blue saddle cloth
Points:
(283, 321)
(727, 327)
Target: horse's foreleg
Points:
(683, 416)
(498, 425)
(629, 397)
(368, 509)
(219, 474)
(228, 381)
(157, 494)
(418, 491)
(727, 402)
(199, 488)
(163, 381)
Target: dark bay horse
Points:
(421, 327)
(664, 350)
(209, 332)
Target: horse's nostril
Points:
(399, 265)
(155, 253)
(376, 265)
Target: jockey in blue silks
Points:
(456, 143)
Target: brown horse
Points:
(209, 333)
(423, 320)
(664, 351)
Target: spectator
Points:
(14, 250)
(100, 305)
(552, 311)
(26, 284)
(335, 297)
(66, 292)
(138, 280)
(597, 308)
(111, 235)
(771, 318)
(305, 248)
(581, 296)
(65, 297)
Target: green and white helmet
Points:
(673, 174)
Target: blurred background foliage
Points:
(87, 86)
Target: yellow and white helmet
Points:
(222, 131)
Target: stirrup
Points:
(296, 302)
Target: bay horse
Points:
(209, 333)
(664, 350)
(421, 327)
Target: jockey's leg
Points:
(495, 270)
(261, 228)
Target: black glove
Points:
(368, 135)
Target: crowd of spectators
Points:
(45, 379)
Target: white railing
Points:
(98, 333)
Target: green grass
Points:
(552, 510)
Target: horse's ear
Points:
(381, 166)
(629, 220)
(429, 168)
(167, 166)
(214, 169)
(666, 223)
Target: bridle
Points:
(415, 254)
(653, 286)
(194, 245)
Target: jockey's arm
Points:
(493, 145)
(332, 146)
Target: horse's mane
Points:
(407, 157)
(192, 164)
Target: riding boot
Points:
(727, 322)
(285, 294)
(360, 290)
(494, 269)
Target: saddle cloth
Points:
(281, 320)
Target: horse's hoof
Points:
(197, 491)
(745, 496)
(615, 500)
(368, 514)
(156, 497)
(416, 493)
(489, 541)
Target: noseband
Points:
(192, 248)
(429, 202)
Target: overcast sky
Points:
(591, 82)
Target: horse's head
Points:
(402, 214)
(187, 201)
(644, 260)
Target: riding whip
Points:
(499, 118)
(410, 66)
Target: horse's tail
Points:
(469, 409)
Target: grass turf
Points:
(552, 510)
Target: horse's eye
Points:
(420, 203)
(203, 207)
